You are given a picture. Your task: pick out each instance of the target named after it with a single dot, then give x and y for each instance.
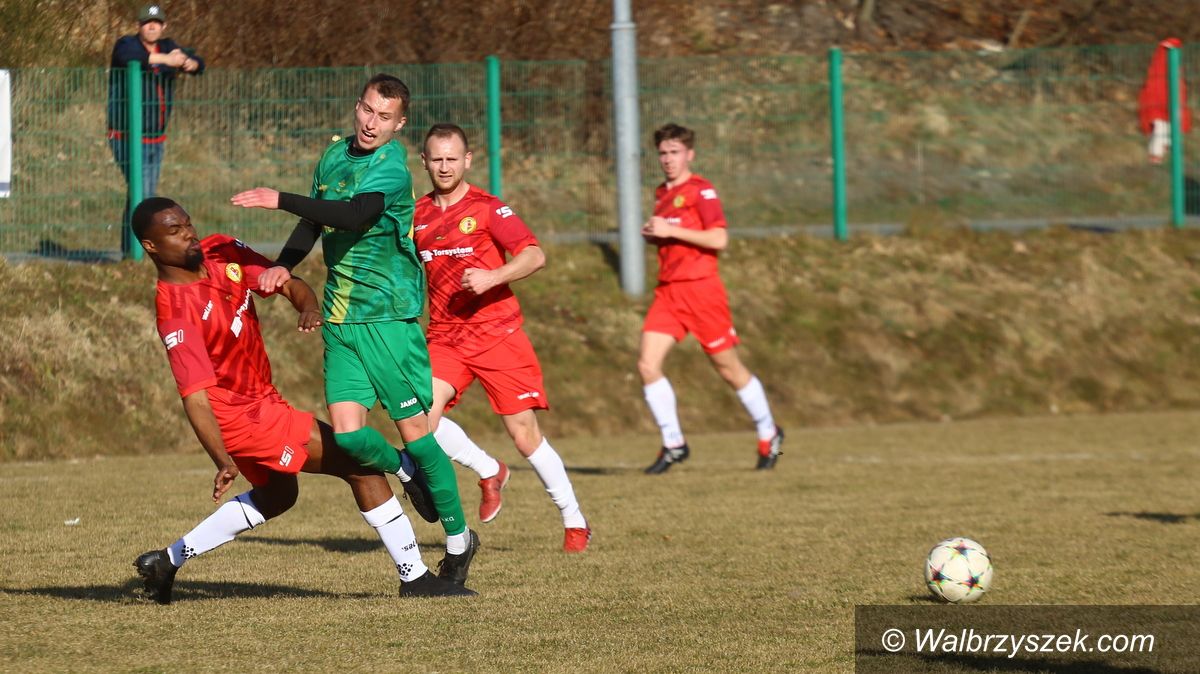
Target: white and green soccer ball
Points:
(958, 570)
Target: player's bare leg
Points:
(754, 399)
(523, 428)
(493, 474)
(660, 397)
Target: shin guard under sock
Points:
(439, 473)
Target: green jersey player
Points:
(361, 207)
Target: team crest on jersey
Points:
(234, 271)
(467, 225)
(679, 201)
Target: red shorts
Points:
(264, 436)
(509, 372)
(700, 307)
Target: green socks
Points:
(371, 449)
(439, 473)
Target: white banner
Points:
(5, 134)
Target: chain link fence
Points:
(1028, 136)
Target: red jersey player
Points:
(463, 234)
(208, 324)
(689, 229)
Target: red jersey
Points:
(211, 330)
(692, 204)
(476, 232)
(1152, 99)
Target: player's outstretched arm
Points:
(259, 197)
(302, 297)
(204, 422)
(356, 215)
(522, 265)
(298, 246)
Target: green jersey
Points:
(374, 275)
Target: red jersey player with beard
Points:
(689, 229)
(463, 234)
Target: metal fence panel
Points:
(1045, 134)
(971, 136)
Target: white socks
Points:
(553, 474)
(754, 398)
(661, 399)
(457, 544)
(461, 449)
(232, 518)
(1160, 140)
(545, 461)
(396, 532)
(239, 514)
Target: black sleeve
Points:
(299, 244)
(356, 215)
(198, 59)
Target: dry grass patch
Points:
(711, 567)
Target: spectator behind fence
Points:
(162, 60)
(1154, 114)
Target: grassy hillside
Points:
(259, 33)
(940, 323)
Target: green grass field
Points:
(711, 567)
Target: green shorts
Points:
(386, 361)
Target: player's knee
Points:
(413, 427)
(526, 438)
(365, 481)
(364, 447)
(275, 499)
(729, 366)
(650, 370)
(354, 443)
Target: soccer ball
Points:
(958, 570)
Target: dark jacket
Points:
(158, 88)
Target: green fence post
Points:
(837, 132)
(133, 140)
(1177, 191)
(493, 125)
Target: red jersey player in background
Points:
(689, 229)
(208, 324)
(475, 331)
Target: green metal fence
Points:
(1041, 134)
(1036, 135)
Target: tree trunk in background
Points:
(865, 23)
